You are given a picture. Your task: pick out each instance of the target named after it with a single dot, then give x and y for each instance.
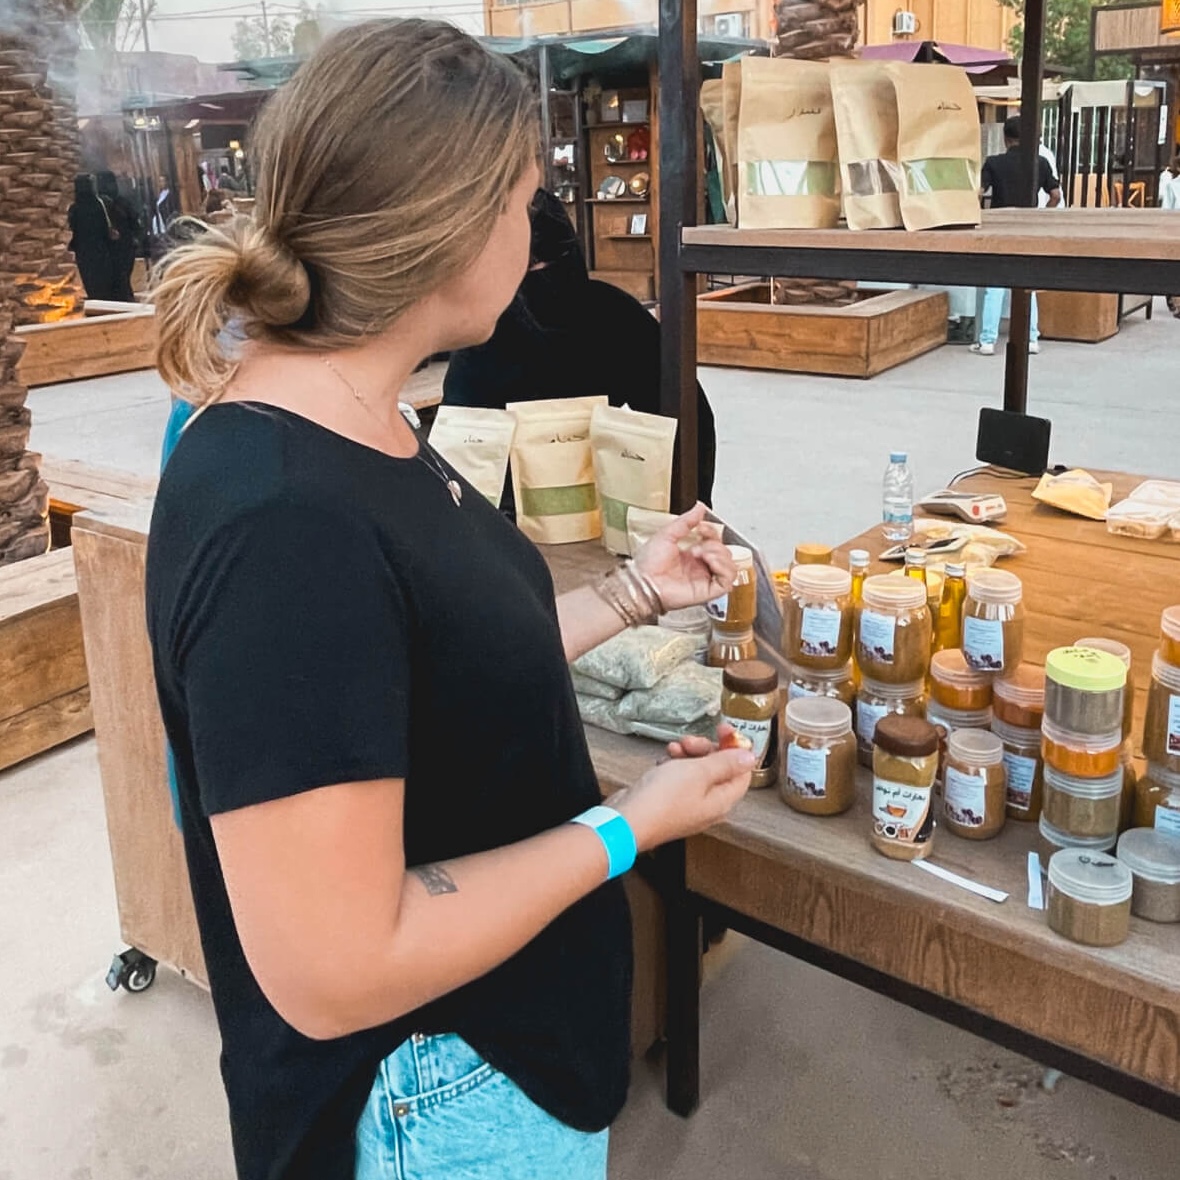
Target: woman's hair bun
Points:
(270, 283)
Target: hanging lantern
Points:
(1170, 17)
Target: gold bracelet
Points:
(645, 608)
(649, 586)
(607, 592)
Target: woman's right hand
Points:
(685, 795)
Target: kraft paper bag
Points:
(787, 158)
(865, 104)
(713, 108)
(632, 467)
(553, 470)
(938, 145)
(477, 444)
(731, 104)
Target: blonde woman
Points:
(418, 952)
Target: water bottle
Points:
(897, 504)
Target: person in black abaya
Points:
(568, 335)
(126, 224)
(91, 241)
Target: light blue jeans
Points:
(438, 1111)
(993, 310)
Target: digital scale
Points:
(968, 506)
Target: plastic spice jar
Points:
(750, 703)
(808, 682)
(893, 630)
(948, 720)
(975, 795)
(1079, 754)
(821, 756)
(875, 701)
(993, 620)
(731, 647)
(737, 610)
(1050, 841)
(817, 617)
(1170, 636)
(956, 686)
(1161, 727)
(1154, 861)
(1083, 806)
(1089, 897)
(1084, 690)
(905, 761)
(1122, 652)
(1018, 697)
(692, 621)
(1023, 768)
(812, 553)
(1157, 800)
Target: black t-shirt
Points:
(319, 613)
(1002, 175)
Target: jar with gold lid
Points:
(905, 762)
(817, 617)
(993, 621)
(750, 703)
(893, 630)
(813, 553)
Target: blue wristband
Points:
(616, 836)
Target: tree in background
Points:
(270, 36)
(1067, 40)
(114, 26)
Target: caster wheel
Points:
(133, 971)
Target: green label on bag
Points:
(567, 501)
(614, 513)
(791, 178)
(938, 175)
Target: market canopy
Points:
(973, 59)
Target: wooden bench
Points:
(100, 343)
(75, 487)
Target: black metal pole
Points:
(679, 96)
(1031, 74)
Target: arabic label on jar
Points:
(900, 812)
(965, 796)
(807, 771)
(983, 644)
(819, 632)
(1022, 772)
(759, 732)
(867, 716)
(877, 635)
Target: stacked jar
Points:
(993, 621)
(821, 756)
(1018, 708)
(733, 614)
(959, 697)
(1161, 727)
(1082, 745)
(892, 647)
(1120, 650)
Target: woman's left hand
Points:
(693, 575)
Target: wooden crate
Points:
(74, 487)
(44, 693)
(1088, 316)
(90, 346)
(739, 327)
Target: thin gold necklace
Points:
(425, 453)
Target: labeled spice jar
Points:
(993, 621)
(1170, 636)
(1084, 690)
(956, 686)
(1089, 897)
(1154, 861)
(893, 630)
(821, 756)
(875, 701)
(1023, 768)
(905, 761)
(812, 553)
(1080, 754)
(946, 721)
(731, 647)
(808, 682)
(1083, 806)
(1050, 841)
(1122, 652)
(817, 617)
(1018, 697)
(974, 792)
(1157, 800)
(736, 611)
(750, 703)
(1161, 726)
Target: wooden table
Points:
(815, 889)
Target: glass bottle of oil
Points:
(948, 628)
(858, 564)
(915, 565)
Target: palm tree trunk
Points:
(815, 30)
(38, 282)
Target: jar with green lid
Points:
(975, 796)
(875, 701)
(893, 630)
(817, 617)
(1089, 897)
(905, 762)
(993, 621)
(750, 703)
(736, 611)
(821, 756)
(730, 647)
(1120, 651)
(1161, 726)
(811, 682)
(1084, 690)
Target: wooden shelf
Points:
(618, 200)
(1124, 250)
(626, 237)
(616, 163)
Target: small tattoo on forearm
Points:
(436, 879)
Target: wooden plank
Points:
(912, 327)
(1085, 316)
(37, 583)
(44, 726)
(41, 656)
(88, 347)
(62, 474)
(1139, 234)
